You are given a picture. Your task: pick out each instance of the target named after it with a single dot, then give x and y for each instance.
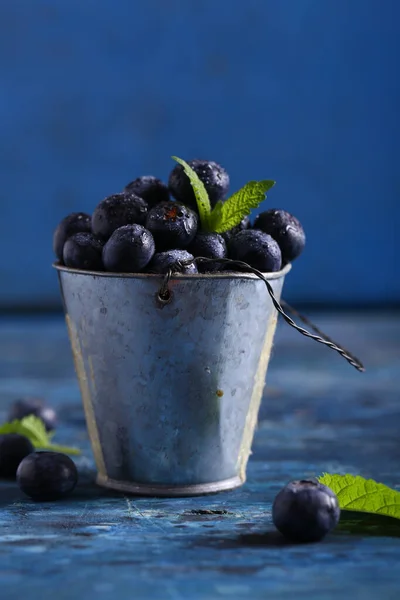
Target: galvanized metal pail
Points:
(171, 391)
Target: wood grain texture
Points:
(318, 415)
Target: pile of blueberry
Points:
(143, 230)
(40, 475)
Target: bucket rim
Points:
(192, 276)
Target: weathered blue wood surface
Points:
(319, 415)
(93, 94)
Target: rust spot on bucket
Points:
(219, 393)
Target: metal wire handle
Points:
(319, 335)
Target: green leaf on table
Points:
(363, 495)
(229, 213)
(200, 192)
(34, 429)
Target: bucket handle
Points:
(165, 295)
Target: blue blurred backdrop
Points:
(306, 92)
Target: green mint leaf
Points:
(34, 429)
(363, 495)
(216, 215)
(239, 205)
(200, 192)
(63, 449)
(31, 427)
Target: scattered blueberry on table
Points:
(305, 511)
(33, 406)
(47, 475)
(13, 449)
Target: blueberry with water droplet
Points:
(116, 211)
(13, 449)
(129, 249)
(243, 225)
(257, 249)
(74, 223)
(163, 261)
(305, 511)
(213, 175)
(47, 475)
(83, 251)
(151, 189)
(172, 224)
(209, 245)
(285, 229)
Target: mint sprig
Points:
(34, 429)
(357, 494)
(225, 215)
(200, 192)
(230, 213)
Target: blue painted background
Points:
(94, 93)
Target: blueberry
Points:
(243, 225)
(13, 449)
(151, 189)
(163, 261)
(73, 223)
(305, 511)
(257, 249)
(47, 475)
(172, 224)
(214, 177)
(116, 211)
(285, 229)
(129, 249)
(209, 245)
(33, 406)
(83, 251)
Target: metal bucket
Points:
(171, 391)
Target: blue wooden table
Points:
(319, 415)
